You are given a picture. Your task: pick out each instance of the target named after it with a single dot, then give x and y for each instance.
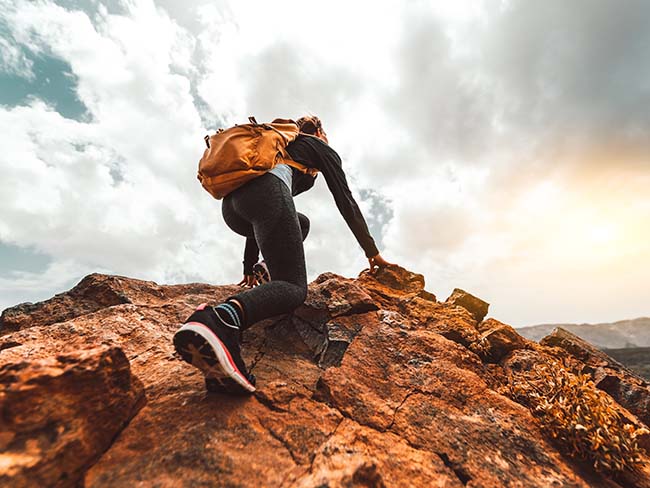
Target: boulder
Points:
(392, 285)
(474, 305)
(60, 414)
(498, 340)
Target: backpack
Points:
(236, 155)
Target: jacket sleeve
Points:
(332, 169)
(301, 182)
(251, 255)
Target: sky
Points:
(501, 147)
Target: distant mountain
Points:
(617, 335)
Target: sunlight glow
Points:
(602, 234)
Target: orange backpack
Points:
(236, 155)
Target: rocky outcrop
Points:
(60, 414)
(497, 340)
(628, 389)
(93, 293)
(372, 382)
(474, 305)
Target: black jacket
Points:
(315, 153)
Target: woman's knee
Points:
(303, 294)
(300, 293)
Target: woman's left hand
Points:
(249, 281)
(377, 262)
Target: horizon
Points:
(586, 323)
(500, 147)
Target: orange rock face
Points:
(60, 414)
(372, 382)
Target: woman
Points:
(264, 212)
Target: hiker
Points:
(263, 210)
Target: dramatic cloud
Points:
(118, 192)
(501, 147)
(13, 61)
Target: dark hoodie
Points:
(315, 153)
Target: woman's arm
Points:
(251, 255)
(315, 153)
(331, 166)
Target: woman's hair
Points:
(309, 124)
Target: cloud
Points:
(544, 97)
(118, 192)
(574, 74)
(496, 146)
(13, 60)
(58, 275)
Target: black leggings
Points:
(264, 208)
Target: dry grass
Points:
(580, 417)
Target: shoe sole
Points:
(224, 385)
(201, 348)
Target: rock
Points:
(394, 278)
(425, 295)
(628, 389)
(94, 292)
(475, 306)
(331, 296)
(392, 284)
(498, 340)
(322, 321)
(359, 456)
(339, 296)
(452, 322)
(371, 382)
(60, 414)
(428, 391)
(341, 333)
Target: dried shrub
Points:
(579, 416)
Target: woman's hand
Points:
(378, 262)
(249, 281)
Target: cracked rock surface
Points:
(371, 383)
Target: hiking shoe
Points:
(210, 344)
(261, 272)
